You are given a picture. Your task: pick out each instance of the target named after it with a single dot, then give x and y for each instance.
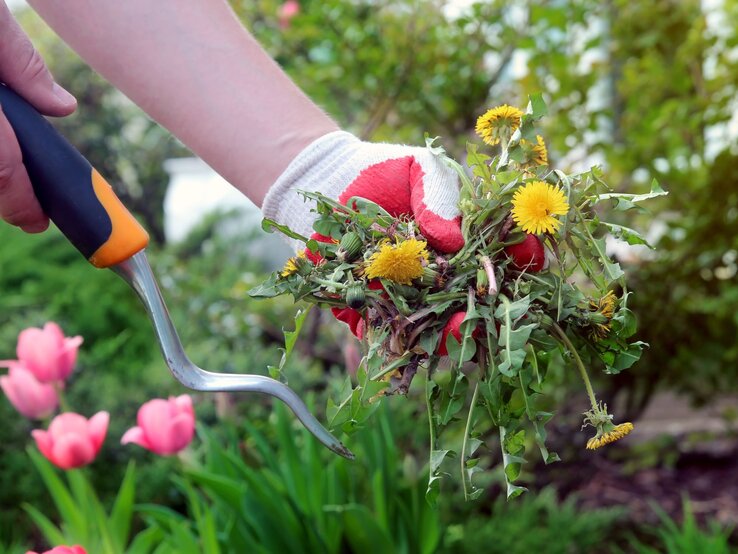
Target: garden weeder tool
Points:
(85, 208)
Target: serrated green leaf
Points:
(513, 491)
(452, 401)
(626, 358)
(269, 225)
(655, 192)
(612, 270)
(631, 236)
(433, 490)
(537, 105)
(626, 323)
(270, 288)
(474, 443)
(511, 465)
(515, 442)
(515, 309)
(437, 457)
(460, 352)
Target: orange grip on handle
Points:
(127, 236)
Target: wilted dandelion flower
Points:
(603, 437)
(292, 265)
(604, 309)
(401, 262)
(536, 204)
(535, 153)
(498, 123)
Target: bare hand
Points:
(23, 70)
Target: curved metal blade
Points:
(137, 272)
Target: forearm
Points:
(193, 68)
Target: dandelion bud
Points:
(355, 296)
(431, 278)
(349, 247)
(482, 282)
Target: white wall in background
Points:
(195, 191)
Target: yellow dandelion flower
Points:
(292, 265)
(498, 123)
(536, 154)
(536, 204)
(401, 262)
(616, 432)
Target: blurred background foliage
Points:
(647, 89)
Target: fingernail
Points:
(38, 227)
(63, 95)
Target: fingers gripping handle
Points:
(71, 192)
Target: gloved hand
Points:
(403, 180)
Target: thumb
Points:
(23, 70)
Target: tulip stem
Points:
(62, 399)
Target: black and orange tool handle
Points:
(71, 192)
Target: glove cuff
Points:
(312, 170)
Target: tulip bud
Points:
(33, 399)
(165, 427)
(72, 440)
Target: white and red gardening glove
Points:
(403, 180)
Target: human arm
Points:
(196, 70)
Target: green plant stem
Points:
(431, 426)
(62, 399)
(580, 365)
(467, 429)
(329, 284)
(442, 296)
(489, 269)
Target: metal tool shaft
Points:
(137, 272)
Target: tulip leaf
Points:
(60, 494)
(122, 512)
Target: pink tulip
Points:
(31, 398)
(63, 550)
(72, 440)
(164, 426)
(47, 353)
(287, 11)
